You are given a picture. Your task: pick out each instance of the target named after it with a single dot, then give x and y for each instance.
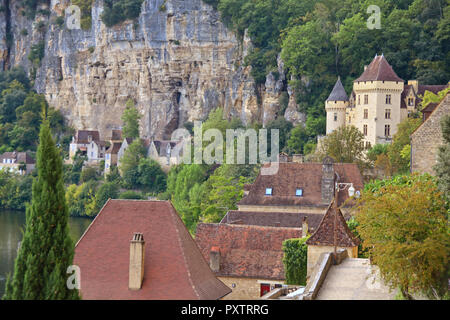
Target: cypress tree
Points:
(47, 249)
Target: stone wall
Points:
(314, 253)
(245, 288)
(427, 138)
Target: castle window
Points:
(366, 99)
(359, 99)
(299, 192)
(368, 145)
(365, 129)
(366, 113)
(410, 102)
(387, 114)
(388, 99)
(387, 130)
(349, 119)
(335, 116)
(268, 191)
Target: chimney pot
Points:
(136, 269)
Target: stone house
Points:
(141, 250)
(306, 188)
(19, 162)
(123, 147)
(426, 139)
(90, 145)
(247, 258)
(166, 153)
(111, 156)
(378, 103)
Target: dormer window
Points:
(268, 191)
(299, 192)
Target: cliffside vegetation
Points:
(321, 39)
(20, 114)
(117, 11)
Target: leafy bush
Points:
(130, 194)
(15, 190)
(117, 11)
(295, 260)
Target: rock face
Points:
(176, 63)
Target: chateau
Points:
(378, 103)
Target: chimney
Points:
(304, 227)
(365, 67)
(327, 186)
(136, 271)
(214, 259)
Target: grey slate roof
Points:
(338, 93)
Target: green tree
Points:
(403, 224)
(297, 140)
(46, 250)
(400, 164)
(151, 176)
(130, 194)
(130, 118)
(130, 161)
(284, 128)
(345, 145)
(108, 190)
(295, 254)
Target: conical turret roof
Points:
(379, 70)
(338, 93)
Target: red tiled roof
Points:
(246, 251)
(174, 268)
(82, 136)
(432, 88)
(272, 219)
(19, 157)
(324, 235)
(307, 176)
(379, 70)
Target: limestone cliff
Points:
(177, 64)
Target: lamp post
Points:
(339, 186)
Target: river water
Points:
(11, 225)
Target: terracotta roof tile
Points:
(379, 70)
(82, 136)
(324, 235)
(174, 268)
(292, 175)
(246, 251)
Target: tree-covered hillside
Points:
(320, 39)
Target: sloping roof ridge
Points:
(347, 231)
(379, 65)
(438, 105)
(173, 213)
(93, 221)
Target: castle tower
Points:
(378, 99)
(336, 106)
